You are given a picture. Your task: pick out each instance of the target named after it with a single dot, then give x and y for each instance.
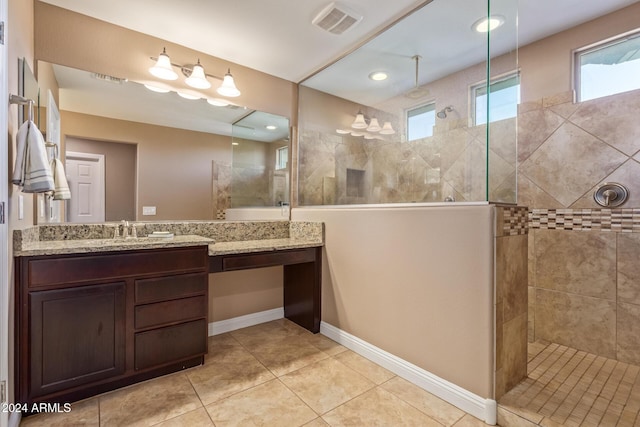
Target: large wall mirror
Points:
(404, 117)
(160, 156)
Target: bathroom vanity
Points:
(97, 314)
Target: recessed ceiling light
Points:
(486, 24)
(271, 127)
(378, 76)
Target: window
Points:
(608, 68)
(282, 155)
(503, 101)
(420, 122)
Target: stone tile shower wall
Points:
(337, 169)
(584, 269)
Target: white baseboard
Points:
(479, 407)
(222, 326)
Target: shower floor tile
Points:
(569, 387)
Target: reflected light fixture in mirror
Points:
(163, 68)
(359, 122)
(374, 126)
(387, 129)
(228, 87)
(187, 96)
(156, 88)
(217, 102)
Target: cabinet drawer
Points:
(78, 268)
(165, 312)
(161, 346)
(170, 287)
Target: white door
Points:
(85, 174)
(4, 231)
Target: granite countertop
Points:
(222, 237)
(247, 246)
(57, 247)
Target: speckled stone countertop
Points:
(222, 237)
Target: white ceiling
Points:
(274, 36)
(277, 37)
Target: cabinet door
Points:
(77, 336)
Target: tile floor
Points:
(568, 387)
(273, 374)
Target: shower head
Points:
(442, 114)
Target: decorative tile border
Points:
(515, 220)
(618, 220)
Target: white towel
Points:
(61, 191)
(32, 171)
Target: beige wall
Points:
(120, 175)
(61, 38)
(546, 64)
(238, 293)
(415, 282)
(174, 166)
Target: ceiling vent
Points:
(336, 18)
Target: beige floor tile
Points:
(269, 404)
(265, 333)
(470, 421)
(84, 413)
(326, 384)
(287, 354)
(426, 402)
(509, 419)
(371, 371)
(149, 403)
(318, 422)
(378, 407)
(197, 418)
(227, 373)
(325, 344)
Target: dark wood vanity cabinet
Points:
(88, 323)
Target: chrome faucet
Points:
(125, 229)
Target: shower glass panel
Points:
(440, 126)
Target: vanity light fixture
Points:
(163, 69)
(228, 87)
(198, 79)
(488, 23)
(195, 75)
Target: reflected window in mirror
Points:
(420, 121)
(505, 97)
(282, 154)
